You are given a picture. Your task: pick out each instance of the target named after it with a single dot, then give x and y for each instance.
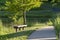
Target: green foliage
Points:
(18, 7)
(56, 23)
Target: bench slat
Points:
(20, 25)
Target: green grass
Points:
(11, 34)
(22, 35)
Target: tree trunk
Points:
(24, 16)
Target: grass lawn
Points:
(20, 35)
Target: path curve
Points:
(46, 33)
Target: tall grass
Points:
(56, 23)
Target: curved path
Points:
(46, 33)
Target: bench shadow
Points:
(18, 34)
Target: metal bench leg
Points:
(19, 28)
(16, 29)
(23, 28)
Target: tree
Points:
(19, 7)
(2, 5)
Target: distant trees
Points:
(20, 7)
(50, 0)
(2, 4)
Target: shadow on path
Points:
(12, 35)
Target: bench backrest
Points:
(20, 25)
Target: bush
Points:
(56, 23)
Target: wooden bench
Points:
(19, 27)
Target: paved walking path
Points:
(46, 33)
